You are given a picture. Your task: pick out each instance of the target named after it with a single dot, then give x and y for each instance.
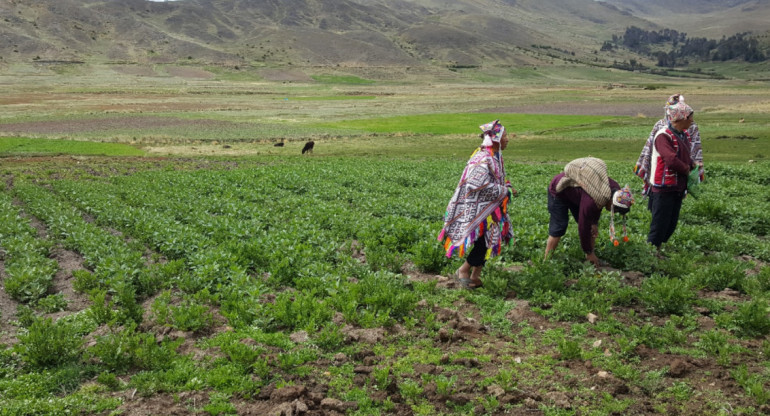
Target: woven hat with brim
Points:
(589, 173)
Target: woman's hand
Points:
(593, 259)
(511, 190)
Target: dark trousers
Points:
(559, 210)
(478, 254)
(665, 207)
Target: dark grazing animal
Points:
(279, 144)
(308, 147)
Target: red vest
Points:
(661, 175)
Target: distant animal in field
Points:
(308, 147)
(740, 121)
(279, 144)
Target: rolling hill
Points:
(464, 33)
(702, 18)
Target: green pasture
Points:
(10, 146)
(539, 137)
(462, 123)
(341, 79)
(334, 98)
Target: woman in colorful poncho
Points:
(476, 221)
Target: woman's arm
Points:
(665, 147)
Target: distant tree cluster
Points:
(640, 40)
(741, 46)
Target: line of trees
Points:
(742, 46)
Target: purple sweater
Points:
(588, 212)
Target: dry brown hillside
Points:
(315, 32)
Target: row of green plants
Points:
(29, 270)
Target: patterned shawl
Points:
(479, 206)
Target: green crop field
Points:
(160, 255)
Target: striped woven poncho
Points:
(478, 207)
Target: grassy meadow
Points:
(160, 255)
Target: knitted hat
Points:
(492, 132)
(622, 198)
(678, 111)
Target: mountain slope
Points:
(315, 32)
(702, 18)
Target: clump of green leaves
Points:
(189, 315)
(84, 281)
(751, 319)
(428, 256)
(293, 310)
(569, 349)
(31, 279)
(52, 303)
(663, 295)
(630, 255)
(753, 384)
(445, 386)
(330, 337)
(49, 343)
(541, 277)
(124, 349)
(716, 343)
(410, 390)
(497, 281)
(724, 272)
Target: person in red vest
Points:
(670, 165)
